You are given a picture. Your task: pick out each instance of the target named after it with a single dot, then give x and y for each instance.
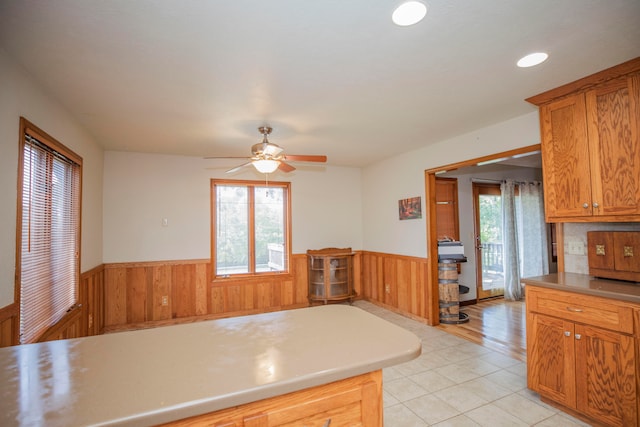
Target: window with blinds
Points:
(49, 229)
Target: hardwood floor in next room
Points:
(497, 324)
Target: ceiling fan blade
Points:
(285, 167)
(303, 158)
(225, 157)
(272, 150)
(238, 167)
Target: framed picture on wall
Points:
(410, 208)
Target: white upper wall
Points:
(142, 189)
(402, 176)
(19, 96)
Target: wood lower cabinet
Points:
(581, 354)
(355, 401)
(590, 133)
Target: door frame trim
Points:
(432, 241)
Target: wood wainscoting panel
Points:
(136, 294)
(87, 317)
(84, 319)
(183, 290)
(70, 326)
(154, 293)
(115, 294)
(397, 282)
(91, 297)
(9, 325)
(159, 288)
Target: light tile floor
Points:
(457, 383)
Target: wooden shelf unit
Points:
(330, 275)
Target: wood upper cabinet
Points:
(587, 368)
(613, 120)
(590, 133)
(565, 158)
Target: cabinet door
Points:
(551, 357)
(613, 117)
(565, 158)
(627, 251)
(357, 407)
(317, 277)
(340, 276)
(605, 375)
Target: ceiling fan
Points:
(267, 157)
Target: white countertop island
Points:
(159, 375)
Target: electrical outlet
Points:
(576, 248)
(165, 300)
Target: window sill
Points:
(252, 278)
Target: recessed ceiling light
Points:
(409, 13)
(532, 59)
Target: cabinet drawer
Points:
(585, 309)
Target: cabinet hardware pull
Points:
(585, 205)
(628, 251)
(327, 423)
(567, 333)
(600, 250)
(578, 336)
(575, 310)
(596, 205)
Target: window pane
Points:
(269, 229)
(232, 238)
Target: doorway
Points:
(487, 213)
(465, 171)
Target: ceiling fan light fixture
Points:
(266, 165)
(409, 13)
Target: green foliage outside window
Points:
(233, 227)
(490, 219)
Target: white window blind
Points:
(50, 230)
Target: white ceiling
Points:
(332, 77)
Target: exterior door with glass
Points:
(488, 238)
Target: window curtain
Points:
(524, 235)
(512, 288)
(534, 250)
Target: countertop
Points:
(158, 375)
(585, 284)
